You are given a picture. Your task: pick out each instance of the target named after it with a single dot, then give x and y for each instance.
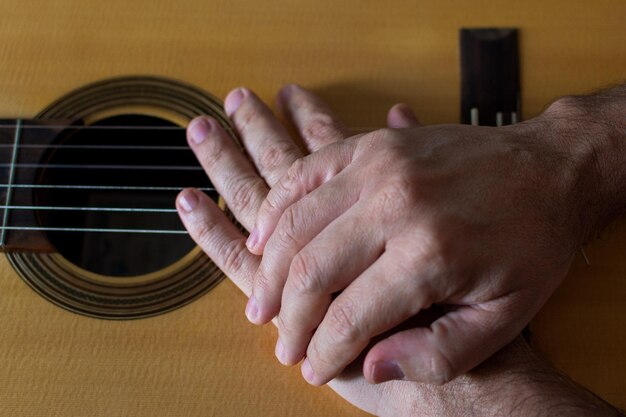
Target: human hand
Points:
(243, 183)
(514, 380)
(367, 232)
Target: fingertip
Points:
(401, 116)
(252, 242)
(260, 233)
(408, 355)
(286, 91)
(259, 309)
(309, 374)
(252, 310)
(267, 218)
(383, 371)
(255, 311)
(282, 98)
(199, 129)
(234, 99)
(187, 200)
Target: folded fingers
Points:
(299, 224)
(266, 140)
(324, 267)
(312, 117)
(303, 177)
(382, 297)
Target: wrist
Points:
(589, 138)
(516, 381)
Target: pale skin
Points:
(513, 373)
(365, 233)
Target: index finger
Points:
(305, 175)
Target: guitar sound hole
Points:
(129, 180)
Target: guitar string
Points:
(91, 127)
(124, 127)
(5, 217)
(4, 228)
(94, 230)
(104, 209)
(98, 187)
(104, 187)
(108, 147)
(107, 167)
(99, 147)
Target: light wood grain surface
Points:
(362, 56)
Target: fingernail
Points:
(286, 91)
(253, 239)
(307, 371)
(233, 101)
(386, 371)
(199, 130)
(188, 201)
(407, 112)
(252, 309)
(280, 352)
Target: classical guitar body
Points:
(124, 327)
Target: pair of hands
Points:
(370, 230)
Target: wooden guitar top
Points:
(205, 359)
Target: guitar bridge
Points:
(490, 76)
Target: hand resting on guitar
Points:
(498, 384)
(484, 221)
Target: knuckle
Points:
(288, 227)
(435, 252)
(262, 281)
(213, 152)
(304, 274)
(202, 233)
(285, 327)
(342, 320)
(274, 155)
(321, 128)
(270, 206)
(294, 173)
(242, 191)
(396, 195)
(232, 255)
(387, 147)
(368, 141)
(320, 356)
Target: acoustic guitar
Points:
(108, 309)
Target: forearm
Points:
(591, 130)
(515, 382)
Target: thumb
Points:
(452, 345)
(401, 116)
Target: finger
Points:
(304, 176)
(218, 237)
(401, 116)
(311, 116)
(266, 140)
(300, 223)
(451, 346)
(363, 310)
(230, 171)
(328, 264)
